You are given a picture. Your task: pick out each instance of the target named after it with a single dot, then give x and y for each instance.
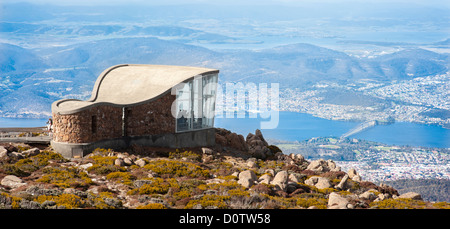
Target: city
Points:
(421, 100)
(375, 161)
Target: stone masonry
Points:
(106, 122)
(151, 118)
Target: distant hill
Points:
(15, 58)
(105, 53)
(40, 76)
(429, 189)
(410, 63)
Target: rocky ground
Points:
(237, 173)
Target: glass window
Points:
(209, 99)
(184, 107)
(196, 103)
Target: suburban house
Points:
(147, 105)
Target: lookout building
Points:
(146, 105)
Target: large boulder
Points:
(354, 175)
(140, 162)
(265, 179)
(318, 182)
(12, 181)
(336, 201)
(411, 195)
(369, 195)
(247, 178)
(227, 138)
(31, 152)
(323, 166)
(3, 152)
(280, 180)
(342, 183)
(257, 145)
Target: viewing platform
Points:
(27, 135)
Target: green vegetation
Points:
(65, 177)
(173, 168)
(24, 167)
(178, 180)
(69, 201)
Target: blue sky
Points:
(445, 3)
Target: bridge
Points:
(359, 128)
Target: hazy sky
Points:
(222, 2)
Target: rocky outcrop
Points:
(323, 166)
(318, 182)
(206, 178)
(336, 201)
(280, 180)
(3, 152)
(226, 138)
(12, 181)
(257, 145)
(411, 195)
(254, 145)
(247, 178)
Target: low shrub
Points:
(103, 200)
(152, 206)
(103, 165)
(177, 169)
(238, 193)
(65, 177)
(442, 205)
(24, 167)
(13, 169)
(15, 201)
(121, 177)
(306, 202)
(69, 201)
(400, 203)
(209, 201)
(186, 154)
(157, 186)
(38, 161)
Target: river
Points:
(299, 126)
(294, 126)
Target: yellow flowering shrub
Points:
(65, 177)
(209, 201)
(157, 186)
(152, 206)
(121, 177)
(69, 201)
(185, 154)
(174, 168)
(15, 201)
(98, 201)
(104, 165)
(400, 203)
(24, 167)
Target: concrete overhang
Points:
(131, 84)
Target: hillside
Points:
(50, 73)
(430, 189)
(237, 173)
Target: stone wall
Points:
(151, 118)
(105, 122)
(77, 127)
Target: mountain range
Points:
(49, 52)
(31, 79)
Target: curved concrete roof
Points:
(125, 85)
